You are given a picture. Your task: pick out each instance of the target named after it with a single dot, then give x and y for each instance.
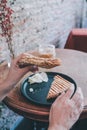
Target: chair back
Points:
(77, 40)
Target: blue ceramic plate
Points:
(40, 90)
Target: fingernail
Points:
(35, 67)
(80, 92)
(72, 87)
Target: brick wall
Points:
(42, 21)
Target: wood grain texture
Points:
(74, 64)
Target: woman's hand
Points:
(64, 111)
(16, 73)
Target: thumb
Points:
(33, 68)
(69, 92)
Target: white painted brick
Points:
(43, 21)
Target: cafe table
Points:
(74, 64)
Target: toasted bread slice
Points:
(58, 86)
(28, 59)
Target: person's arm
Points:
(5, 88)
(64, 111)
(14, 75)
